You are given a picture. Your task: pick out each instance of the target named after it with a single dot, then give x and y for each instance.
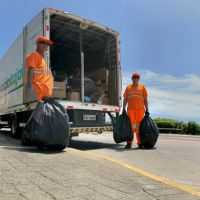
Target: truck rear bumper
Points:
(91, 129)
(69, 105)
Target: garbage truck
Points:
(85, 63)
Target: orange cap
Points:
(44, 39)
(135, 75)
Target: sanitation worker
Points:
(135, 96)
(40, 79)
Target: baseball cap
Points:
(135, 75)
(44, 39)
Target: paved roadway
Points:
(176, 157)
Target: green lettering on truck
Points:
(13, 79)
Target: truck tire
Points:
(16, 131)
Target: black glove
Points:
(147, 113)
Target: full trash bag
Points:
(149, 132)
(122, 130)
(48, 126)
(74, 84)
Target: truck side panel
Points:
(11, 76)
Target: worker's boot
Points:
(128, 146)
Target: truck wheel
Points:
(16, 131)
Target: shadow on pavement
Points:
(34, 150)
(92, 145)
(9, 143)
(12, 144)
(6, 139)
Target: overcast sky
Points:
(159, 39)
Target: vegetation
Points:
(175, 126)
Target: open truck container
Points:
(85, 63)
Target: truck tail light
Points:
(70, 107)
(116, 109)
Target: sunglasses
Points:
(44, 43)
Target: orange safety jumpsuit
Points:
(136, 108)
(42, 77)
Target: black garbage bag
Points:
(48, 126)
(149, 132)
(74, 84)
(122, 130)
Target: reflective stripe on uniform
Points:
(137, 92)
(40, 70)
(135, 96)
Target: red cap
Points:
(44, 39)
(135, 75)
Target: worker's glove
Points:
(46, 99)
(147, 113)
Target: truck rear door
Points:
(32, 31)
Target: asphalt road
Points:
(175, 157)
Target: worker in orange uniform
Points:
(136, 97)
(40, 79)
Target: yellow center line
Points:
(180, 186)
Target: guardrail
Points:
(179, 128)
(172, 129)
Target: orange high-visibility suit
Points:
(136, 107)
(42, 77)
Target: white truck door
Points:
(32, 31)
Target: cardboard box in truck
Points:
(101, 74)
(59, 90)
(99, 47)
(74, 96)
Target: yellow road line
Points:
(180, 186)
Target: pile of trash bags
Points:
(122, 130)
(48, 126)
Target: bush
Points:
(192, 128)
